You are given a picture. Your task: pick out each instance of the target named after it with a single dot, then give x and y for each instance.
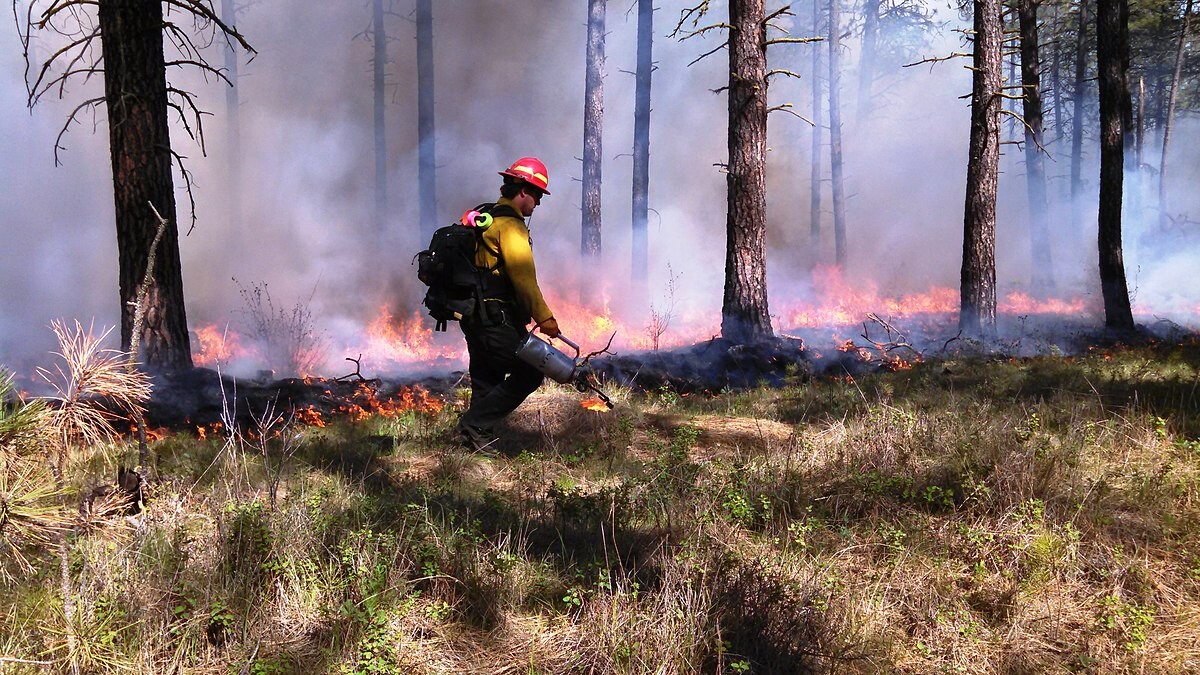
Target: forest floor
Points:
(973, 515)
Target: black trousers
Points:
(499, 380)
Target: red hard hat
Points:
(532, 171)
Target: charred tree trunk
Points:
(233, 126)
(1112, 54)
(1080, 85)
(1163, 213)
(835, 134)
(744, 314)
(379, 62)
(641, 140)
(977, 314)
(135, 89)
(866, 64)
(426, 131)
(815, 159)
(593, 126)
(1035, 174)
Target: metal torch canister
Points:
(547, 360)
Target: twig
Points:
(357, 370)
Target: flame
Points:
(217, 345)
(214, 429)
(310, 416)
(594, 404)
(365, 403)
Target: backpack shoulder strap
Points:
(499, 210)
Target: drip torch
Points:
(559, 367)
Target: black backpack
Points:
(456, 286)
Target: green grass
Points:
(973, 516)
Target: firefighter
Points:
(499, 380)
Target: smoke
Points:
(509, 82)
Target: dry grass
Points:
(1002, 517)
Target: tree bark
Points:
(593, 126)
(379, 63)
(135, 90)
(1035, 174)
(835, 134)
(1112, 55)
(815, 159)
(866, 64)
(977, 314)
(744, 313)
(641, 140)
(1080, 84)
(1163, 213)
(426, 130)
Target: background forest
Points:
(307, 168)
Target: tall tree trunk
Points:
(379, 63)
(866, 64)
(1080, 85)
(977, 315)
(593, 126)
(815, 159)
(135, 89)
(1112, 53)
(835, 134)
(1163, 213)
(1035, 174)
(1056, 80)
(641, 140)
(744, 313)
(426, 131)
(233, 126)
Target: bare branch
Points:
(787, 108)
(786, 10)
(198, 7)
(934, 60)
(90, 103)
(780, 71)
(187, 181)
(39, 87)
(785, 41)
(710, 52)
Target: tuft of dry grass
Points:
(93, 386)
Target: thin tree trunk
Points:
(426, 130)
(977, 314)
(1035, 174)
(1112, 49)
(593, 126)
(744, 313)
(866, 64)
(379, 63)
(641, 140)
(135, 90)
(1056, 81)
(815, 159)
(1081, 52)
(835, 134)
(233, 126)
(1163, 213)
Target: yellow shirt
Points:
(510, 236)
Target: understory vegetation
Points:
(975, 515)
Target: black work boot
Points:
(479, 440)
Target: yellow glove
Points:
(549, 327)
